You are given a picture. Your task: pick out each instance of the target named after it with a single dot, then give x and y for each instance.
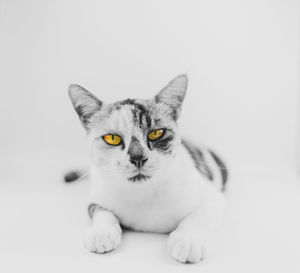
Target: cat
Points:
(144, 176)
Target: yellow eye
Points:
(156, 134)
(112, 139)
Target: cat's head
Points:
(132, 140)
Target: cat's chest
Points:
(157, 211)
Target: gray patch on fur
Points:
(140, 113)
(222, 167)
(163, 145)
(72, 176)
(199, 160)
(136, 153)
(92, 208)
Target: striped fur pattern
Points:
(166, 185)
(206, 161)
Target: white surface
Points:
(243, 61)
(41, 230)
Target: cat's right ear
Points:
(85, 103)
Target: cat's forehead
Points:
(141, 113)
(134, 114)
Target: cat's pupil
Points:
(113, 137)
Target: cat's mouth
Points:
(139, 178)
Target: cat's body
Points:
(158, 206)
(145, 177)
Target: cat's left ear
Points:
(85, 103)
(173, 94)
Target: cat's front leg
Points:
(185, 243)
(105, 233)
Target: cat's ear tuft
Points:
(84, 102)
(173, 94)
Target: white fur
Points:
(176, 198)
(105, 233)
(181, 201)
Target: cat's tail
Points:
(76, 175)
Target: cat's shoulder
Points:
(207, 162)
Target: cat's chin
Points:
(138, 178)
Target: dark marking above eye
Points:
(118, 105)
(141, 116)
(140, 113)
(173, 111)
(174, 114)
(127, 101)
(157, 121)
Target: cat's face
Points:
(132, 140)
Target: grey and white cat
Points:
(144, 176)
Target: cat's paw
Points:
(183, 248)
(102, 239)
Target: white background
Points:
(242, 58)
